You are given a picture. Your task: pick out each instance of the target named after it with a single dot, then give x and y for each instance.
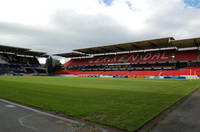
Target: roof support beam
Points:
(153, 44)
(137, 47)
(119, 48)
(108, 50)
(196, 43)
(94, 51)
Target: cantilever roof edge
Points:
(129, 46)
(186, 43)
(71, 54)
(21, 51)
(12, 49)
(33, 53)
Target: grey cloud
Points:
(20, 30)
(178, 22)
(73, 30)
(95, 30)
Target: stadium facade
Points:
(156, 57)
(20, 61)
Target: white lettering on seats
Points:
(164, 57)
(156, 56)
(147, 56)
(122, 58)
(134, 57)
(98, 59)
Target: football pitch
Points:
(120, 103)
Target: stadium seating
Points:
(150, 63)
(140, 57)
(186, 71)
(12, 59)
(10, 63)
(186, 55)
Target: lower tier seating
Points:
(185, 71)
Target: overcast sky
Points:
(57, 26)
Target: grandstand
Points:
(19, 61)
(157, 57)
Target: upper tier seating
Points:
(140, 57)
(186, 55)
(10, 63)
(12, 59)
(3, 61)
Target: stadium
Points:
(151, 85)
(160, 58)
(16, 60)
(99, 66)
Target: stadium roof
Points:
(131, 46)
(21, 51)
(71, 54)
(185, 43)
(33, 53)
(168, 42)
(4, 48)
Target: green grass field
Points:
(121, 103)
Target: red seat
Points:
(140, 57)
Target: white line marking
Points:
(10, 106)
(44, 113)
(24, 125)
